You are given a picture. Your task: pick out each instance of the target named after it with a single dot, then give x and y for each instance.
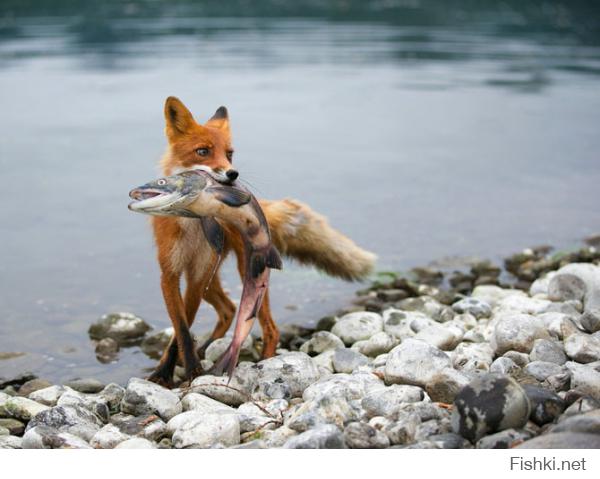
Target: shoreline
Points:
(487, 357)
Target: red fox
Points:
(297, 232)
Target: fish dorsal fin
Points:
(229, 195)
(214, 233)
(273, 258)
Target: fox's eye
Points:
(161, 182)
(230, 156)
(202, 151)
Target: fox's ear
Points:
(220, 119)
(178, 117)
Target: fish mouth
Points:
(153, 201)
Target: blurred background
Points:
(422, 129)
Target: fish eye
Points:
(161, 182)
(202, 151)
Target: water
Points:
(420, 129)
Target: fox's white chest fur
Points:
(191, 251)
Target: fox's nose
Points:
(232, 175)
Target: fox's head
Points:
(195, 146)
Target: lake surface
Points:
(420, 130)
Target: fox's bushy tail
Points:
(305, 236)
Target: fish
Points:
(196, 194)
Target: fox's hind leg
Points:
(225, 308)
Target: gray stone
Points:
(136, 443)
(107, 350)
(490, 403)
(445, 385)
(11, 442)
(548, 351)
(207, 430)
(143, 397)
(48, 396)
(148, 426)
(440, 337)
(357, 326)
(112, 394)
(72, 419)
(379, 343)
(494, 294)
(523, 304)
(13, 426)
(33, 385)
(232, 393)
(403, 431)
(476, 307)
(546, 406)
(542, 370)
(563, 440)
(583, 348)
(44, 437)
(449, 440)
(278, 437)
(520, 359)
(428, 306)
(504, 439)
(21, 408)
(217, 348)
(4, 431)
(472, 357)
(199, 402)
(359, 435)
(588, 422)
(584, 379)
(85, 385)
(108, 437)
(153, 345)
(397, 323)
(504, 365)
(517, 332)
(414, 362)
(320, 342)
(125, 328)
(387, 401)
(347, 360)
(321, 437)
(582, 405)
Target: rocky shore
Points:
(487, 357)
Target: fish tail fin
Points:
(259, 260)
(227, 362)
(273, 258)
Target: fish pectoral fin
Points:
(274, 259)
(214, 233)
(229, 195)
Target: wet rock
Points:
(74, 420)
(387, 401)
(503, 440)
(445, 385)
(563, 440)
(108, 437)
(504, 365)
(44, 437)
(379, 343)
(13, 426)
(33, 385)
(546, 406)
(144, 397)
(360, 435)
(136, 443)
(391, 295)
(320, 342)
(125, 328)
(517, 332)
(357, 327)
(347, 360)
(548, 351)
(48, 396)
(541, 370)
(21, 408)
(474, 306)
(16, 380)
(583, 348)
(321, 437)
(285, 376)
(85, 385)
(414, 362)
(584, 379)
(10, 442)
(208, 430)
(107, 350)
(153, 345)
(326, 323)
(490, 403)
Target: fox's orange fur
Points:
(297, 232)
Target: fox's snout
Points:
(232, 174)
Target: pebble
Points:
(563, 440)
(517, 332)
(387, 401)
(584, 379)
(440, 337)
(403, 431)
(414, 362)
(207, 430)
(45, 437)
(86, 385)
(472, 357)
(320, 342)
(108, 437)
(506, 439)
(397, 323)
(107, 350)
(586, 422)
(445, 385)
(217, 348)
(33, 385)
(221, 389)
(13, 426)
(357, 326)
(143, 397)
(549, 351)
(11, 442)
(474, 306)
(201, 403)
(136, 443)
(490, 403)
(21, 408)
(360, 435)
(74, 420)
(542, 370)
(583, 348)
(347, 360)
(379, 343)
(504, 365)
(546, 406)
(48, 396)
(125, 328)
(321, 437)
